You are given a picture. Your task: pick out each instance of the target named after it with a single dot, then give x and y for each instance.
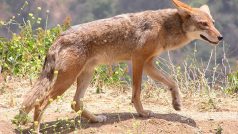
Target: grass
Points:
(160, 98)
(219, 130)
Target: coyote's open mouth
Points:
(206, 39)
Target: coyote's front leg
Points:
(155, 74)
(137, 65)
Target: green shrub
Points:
(24, 52)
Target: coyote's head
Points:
(198, 22)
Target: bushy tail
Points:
(41, 86)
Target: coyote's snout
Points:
(138, 37)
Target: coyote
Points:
(138, 37)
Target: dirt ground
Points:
(200, 114)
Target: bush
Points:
(24, 52)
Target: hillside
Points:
(223, 11)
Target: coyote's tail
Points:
(41, 86)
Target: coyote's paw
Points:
(101, 118)
(176, 104)
(146, 113)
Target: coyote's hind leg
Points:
(63, 81)
(83, 81)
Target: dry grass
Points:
(115, 104)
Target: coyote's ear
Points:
(183, 8)
(206, 9)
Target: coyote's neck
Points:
(172, 34)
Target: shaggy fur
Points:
(137, 37)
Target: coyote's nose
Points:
(220, 37)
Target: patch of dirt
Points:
(6, 127)
(200, 114)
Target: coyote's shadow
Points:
(68, 126)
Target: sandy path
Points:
(122, 117)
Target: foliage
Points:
(233, 83)
(24, 52)
(219, 130)
(193, 75)
(21, 119)
(111, 75)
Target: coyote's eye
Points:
(205, 24)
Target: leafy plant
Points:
(24, 52)
(21, 119)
